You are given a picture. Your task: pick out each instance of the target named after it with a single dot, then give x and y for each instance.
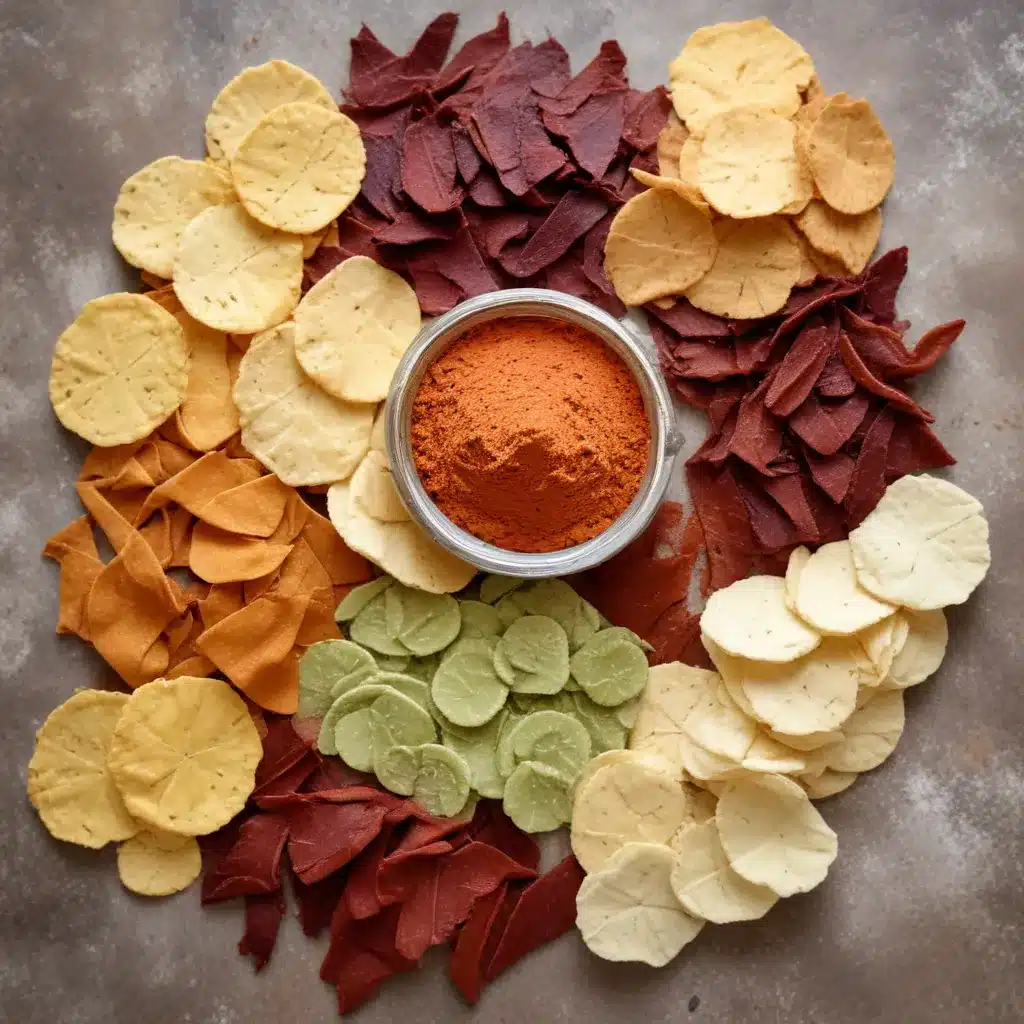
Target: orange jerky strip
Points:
(74, 549)
(199, 483)
(255, 508)
(343, 565)
(108, 518)
(224, 599)
(221, 557)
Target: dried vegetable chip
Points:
(848, 238)
(870, 735)
(327, 670)
(424, 623)
(537, 798)
(119, 370)
(352, 327)
(158, 863)
(207, 416)
(436, 777)
(299, 167)
(156, 204)
(552, 738)
(610, 668)
(922, 651)
(69, 782)
(466, 687)
(535, 650)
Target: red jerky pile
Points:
(496, 169)
(387, 879)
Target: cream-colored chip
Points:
(749, 619)
(689, 159)
(870, 734)
(883, 641)
(813, 104)
(625, 802)
(830, 599)
(850, 155)
(628, 912)
(237, 275)
(748, 164)
(156, 204)
(294, 428)
(849, 238)
(208, 416)
(299, 167)
(671, 139)
(681, 188)
(119, 370)
(352, 327)
(922, 651)
(184, 754)
(798, 558)
(707, 886)
(768, 754)
(607, 757)
(250, 96)
(925, 545)
(378, 435)
(312, 242)
(69, 783)
(738, 64)
(718, 725)
(809, 269)
(773, 836)
(374, 491)
(158, 863)
(810, 742)
(659, 244)
(828, 783)
(402, 550)
(756, 267)
(814, 694)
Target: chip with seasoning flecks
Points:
(154, 863)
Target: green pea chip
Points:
(534, 653)
(466, 688)
(494, 587)
(479, 619)
(423, 623)
(359, 597)
(329, 666)
(611, 670)
(553, 739)
(479, 749)
(369, 628)
(537, 798)
(434, 776)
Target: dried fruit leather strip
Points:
(428, 166)
(468, 959)
(575, 214)
(826, 428)
(317, 902)
(402, 872)
(263, 916)
(253, 864)
(724, 521)
(801, 367)
(867, 380)
(913, 448)
(646, 115)
(868, 482)
(73, 548)
(411, 227)
(477, 56)
(283, 750)
(326, 837)
(491, 825)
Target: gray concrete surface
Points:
(920, 919)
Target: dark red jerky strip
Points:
(593, 255)
(880, 347)
(318, 901)
(465, 966)
(604, 71)
(436, 294)
(263, 915)
(832, 473)
(835, 380)
(567, 275)
(801, 367)
(933, 345)
(690, 322)
(882, 281)
(253, 864)
(676, 637)
(826, 428)
(757, 438)
(496, 230)
(360, 896)
(867, 380)
(467, 157)
(491, 825)
(789, 494)
(726, 526)
(411, 227)
(402, 872)
(771, 527)
(868, 483)
(325, 837)
(914, 448)
(429, 169)
(575, 214)
(476, 57)
(592, 132)
(646, 115)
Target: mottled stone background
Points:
(920, 920)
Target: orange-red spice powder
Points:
(530, 433)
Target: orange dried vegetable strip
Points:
(200, 482)
(74, 549)
(218, 556)
(254, 508)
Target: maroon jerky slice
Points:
(882, 281)
(757, 439)
(835, 380)
(436, 294)
(467, 157)
(646, 115)
(789, 494)
(545, 911)
(567, 276)
(593, 255)
(772, 528)
(832, 473)
(676, 637)
(428, 166)
(724, 521)
(253, 865)
(913, 448)
(931, 348)
(317, 902)
(402, 872)
(716, 446)
(325, 836)
(459, 261)
(288, 783)
(703, 359)
(410, 227)
(361, 887)
(498, 229)
(466, 964)
(383, 172)
(369, 56)
(754, 351)
(606, 69)
(477, 56)
(826, 428)
(424, 829)
(263, 916)
(592, 132)
(486, 191)
(491, 825)
(868, 483)
(443, 901)
(880, 347)
(801, 367)
(690, 322)
(575, 214)
(867, 380)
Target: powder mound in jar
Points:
(530, 433)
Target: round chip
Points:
(119, 370)
(756, 267)
(849, 238)
(423, 623)
(402, 550)
(707, 886)
(830, 599)
(617, 756)
(184, 754)
(537, 798)
(326, 670)
(465, 688)
(798, 558)
(478, 748)
(297, 431)
(235, 274)
(828, 783)
(353, 326)
(689, 161)
(554, 739)
(850, 155)
(156, 204)
(738, 64)
(688, 190)
(535, 653)
(883, 641)
(69, 783)
(628, 911)
(924, 546)
(637, 800)
(659, 244)
(250, 96)
(158, 863)
(434, 776)
(749, 619)
(772, 834)
(374, 491)
(922, 651)
(299, 167)
(870, 734)
(748, 164)
(610, 668)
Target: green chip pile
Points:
(505, 691)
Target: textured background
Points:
(920, 920)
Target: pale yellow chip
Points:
(671, 139)
(352, 327)
(883, 641)
(850, 155)
(659, 244)
(773, 836)
(798, 558)
(155, 863)
(208, 415)
(119, 370)
(922, 650)
(849, 238)
(809, 268)
(706, 885)
(312, 242)
(607, 757)
(379, 433)
(830, 599)
(628, 912)
(809, 742)
(156, 204)
(738, 64)
(374, 491)
(870, 734)
(756, 267)
(299, 167)
(297, 430)
(184, 755)
(750, 619)
(625, 802)
(402, 550)
(748, 164)
(69, 783)
(827, 783)
(681, 188)
(689, 159)
(813, 104)
(250, 96)
(237, 275)
(925, 544)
